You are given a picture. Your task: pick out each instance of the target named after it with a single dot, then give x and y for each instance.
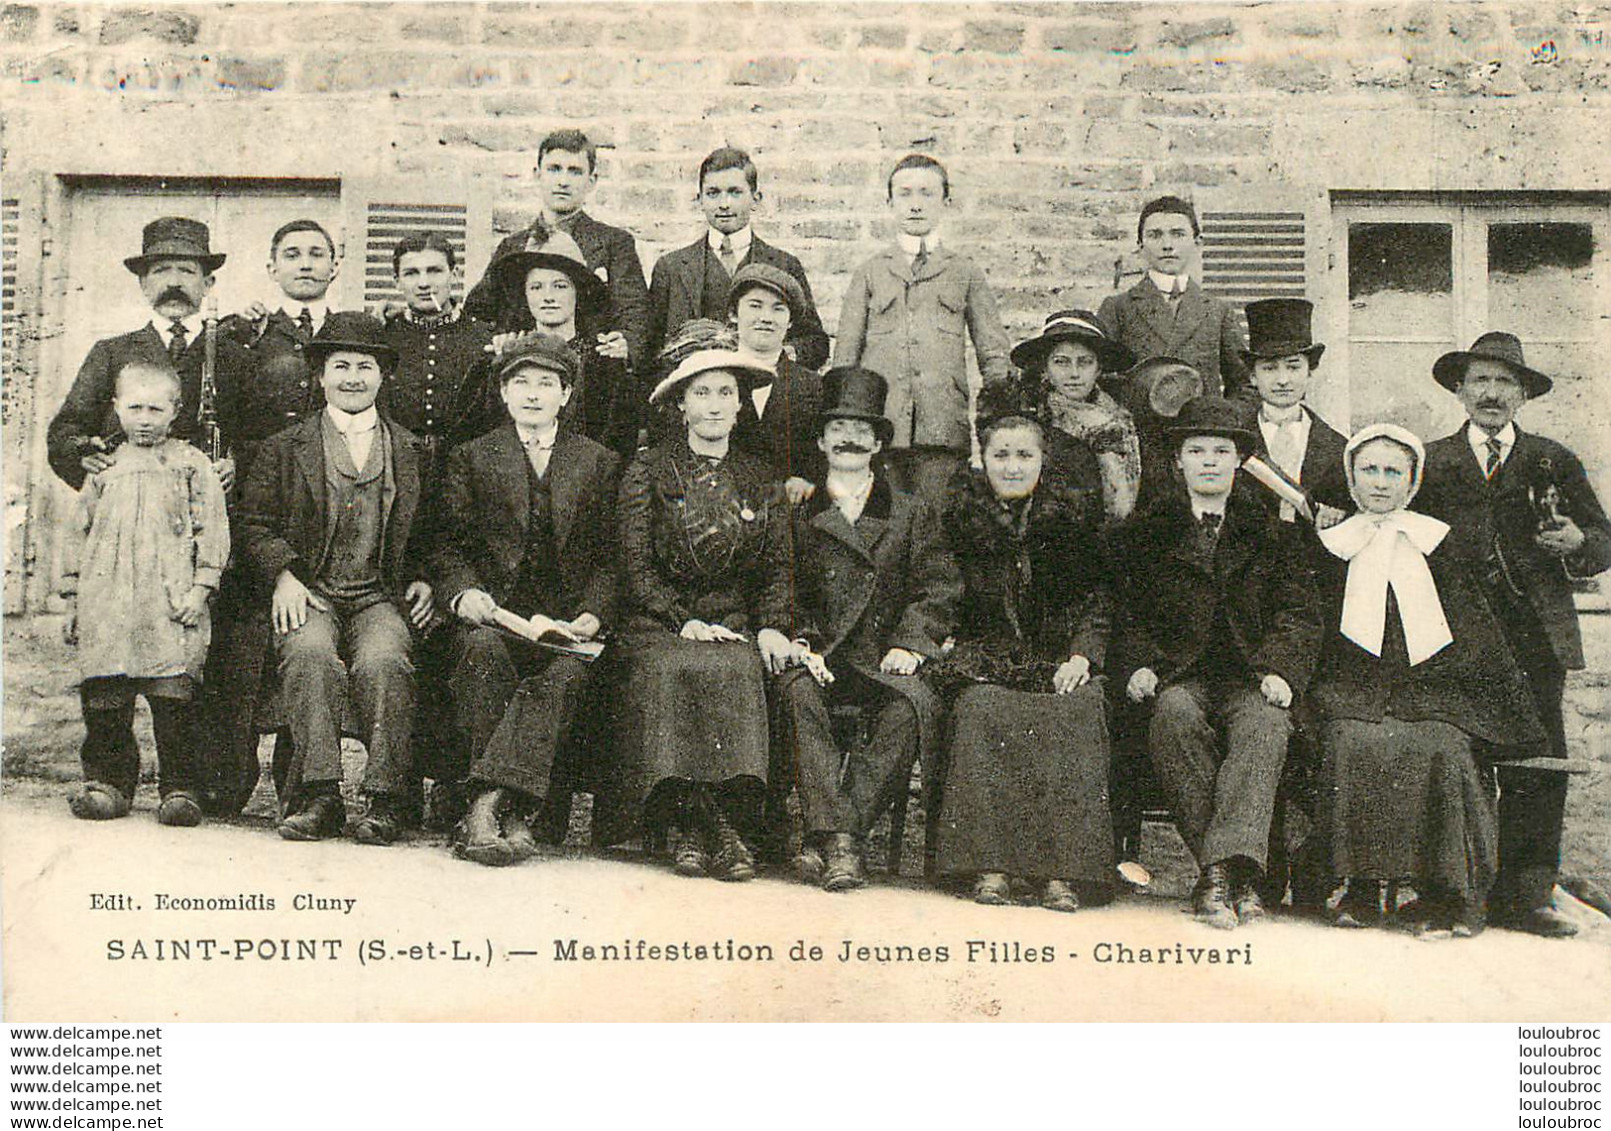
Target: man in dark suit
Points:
(175, 268)
(1167, 314)
(1521, 511)
(325, 523)
(875, 588)
(1281, 357)
(1219, 623)
(529, 529)
(694, 281)
(567, 171)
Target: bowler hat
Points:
(745, 368)
(1073, 326)
(355, 331)
(779, 282)
(1496, 345)
(558, 252)
(174, 237)
(1157, 388)
(1280, 327)
(850, 392)
(544, 351)
(1214, 416)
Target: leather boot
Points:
(517, 831)
(732, 860)
(1245, 897)
(844, 870)
(1211, 900)
(319, 817)
(481, 835)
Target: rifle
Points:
(210, 435)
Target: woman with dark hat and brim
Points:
(1025, 794)
(1066, 359)
(706, 556)
(547, 286)
(1413, 676)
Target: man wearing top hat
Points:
(326, 525)
(875, 588)
(1219, 627)
(175, 268)
(528, 514)
(1520, 509)
(1281, 358)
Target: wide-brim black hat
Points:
(1073, 326)
(354, 331)
(851, 392)
(175, 237)
(1496, 345)
(1214, 416)
(1281, 327)
(557, 252)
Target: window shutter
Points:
(1250, 255)
(379, 213)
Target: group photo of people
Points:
(659, 538)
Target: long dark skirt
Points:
(1026, 791)
(685, 712)
(1405, 800)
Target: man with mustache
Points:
(875, 588)
(1521, 511)
(175, 268)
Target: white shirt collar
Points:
(910, 244)
(164, 327)
(741, 240)
(319, 309)
(352, 423)
(530, 437)
(1274, 416)
(1213, 505)
(1479, 441)
(1166, 283)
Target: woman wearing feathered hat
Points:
(706, 556)
(1413, 673)
(1025, 796)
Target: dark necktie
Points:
(920, 260)
(304, 322)
(177, 343)
(1209, 521)
(1495, 451)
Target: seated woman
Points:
(706, 554)
(1072, 351)
(1025, 795)
(550, 288)
(1413, 673)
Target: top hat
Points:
(1073, 326)
(1214, 416)
(779, 282)
(355, 331)
(997, 400)
(1157, 388)
(559, 252)
(174, 237)
(850, 392)
(1279, 327)
(1496, 345)
(544, 351)
(748, 371)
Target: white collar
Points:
(740, 240)
(319, 309)
(1267, 415)
(911, 244)
(1211, 505)
(1166, 283)
(352, 423)
(861, 491)
(1479, 439)
(164, 327)
(532, 437)
(1389, 550)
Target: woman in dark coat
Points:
(1025, 794)
(1414, 674)
(548, 287)
(706, 556)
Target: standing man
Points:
(1219, 624)
(325, 526)
(567, 171)
(695, 281)
(175, 268)
(1167, 314)
(875, 589)
(1521, 511)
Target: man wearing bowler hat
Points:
(875, 589)
(1521, 511)
(1281, 358)
(325, 524)
(175, 268)
(1219, 626)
